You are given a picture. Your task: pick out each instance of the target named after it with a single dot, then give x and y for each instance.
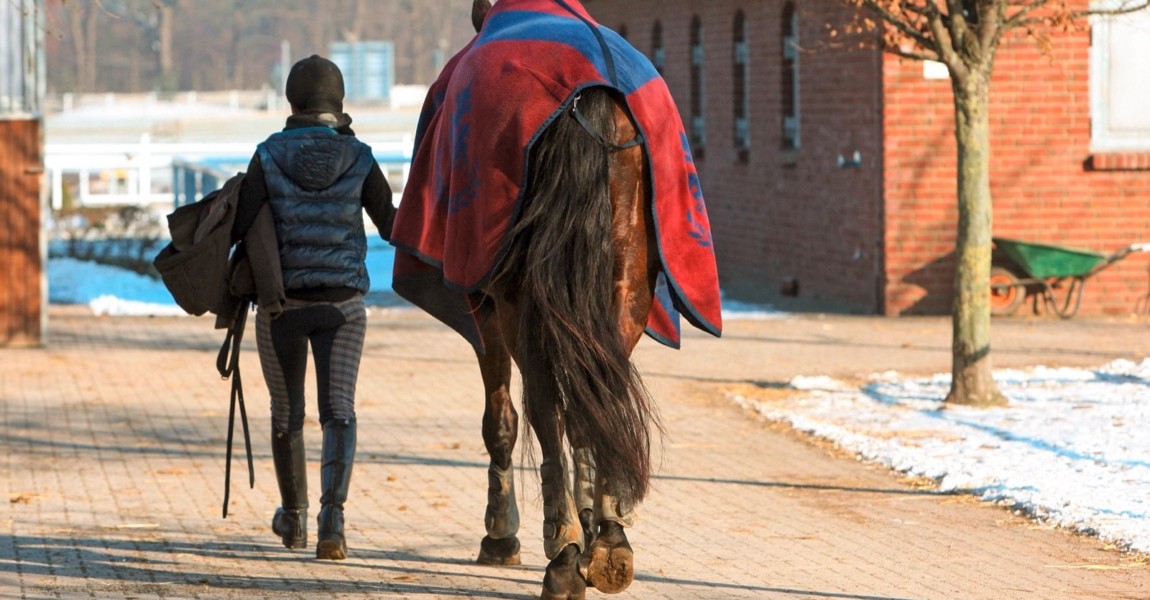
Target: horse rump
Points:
(559, 272)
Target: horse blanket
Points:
(479, 122)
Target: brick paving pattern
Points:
(113, 444)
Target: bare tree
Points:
(81, 20)
(166, 10)
(965, 35)
(136, 45)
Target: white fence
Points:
(126, 173)
(269, 100)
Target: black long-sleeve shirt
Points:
(376, 199)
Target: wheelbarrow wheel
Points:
(1006, 294)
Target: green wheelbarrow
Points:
(1055, 274)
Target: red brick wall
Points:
(21, 265)
(1046, 185)
(879, 238)
(779, 216)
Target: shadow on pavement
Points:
(120, 561)
(806, 486)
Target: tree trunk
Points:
(355, 31)
(972, 382)
(83, 22)
(168, 78)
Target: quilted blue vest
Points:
(314, 179)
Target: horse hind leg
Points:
(608, 406)
(562, 534)
(579, 553)
(608, 563)
(500, 427)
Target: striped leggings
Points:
(336, 333)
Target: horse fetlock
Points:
(587, 522)
(560, 521)
(584, 478)
(499, 551)
(502, 516)
(614, 509)
(558, 535)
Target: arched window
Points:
(698, 101)
(741, 87)
(658, 55)
(790, 84)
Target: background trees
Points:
(170, 45)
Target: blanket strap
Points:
(228, 365)
(608, 58)
(595, 133)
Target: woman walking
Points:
(317, 179)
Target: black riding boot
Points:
(290, 521)
(334, 477)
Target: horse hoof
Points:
(501, 552)
(610, 560)
(562, 580)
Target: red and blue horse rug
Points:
(479, 122)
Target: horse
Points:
(566, 302)
(570, 302)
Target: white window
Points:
(1119, 80)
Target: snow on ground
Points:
(118, 292)
(107, 290)
(1072, 447)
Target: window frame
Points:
(1103, 136)
(741, 84)
(698, 124)
(658, 51)
(791, 97)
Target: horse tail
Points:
(560, 268)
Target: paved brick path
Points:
(112, 466)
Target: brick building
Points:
(23, 289)
(829, 171)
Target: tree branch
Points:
(957, 26)
(901, 25)
(1127, 7)
(948, 53)
(1021, 17)
(990, 23)
(912, 55)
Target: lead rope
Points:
(229, 366)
